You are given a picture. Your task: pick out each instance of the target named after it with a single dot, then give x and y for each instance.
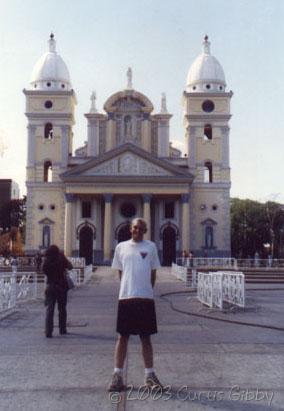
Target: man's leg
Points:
(121, 350)
(147, 350)
(119, 358)
(151, 380)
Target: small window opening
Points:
(48, 131)
(47, 173)
(169, 209)
(208, 172)
(86, 209)
(207, 132)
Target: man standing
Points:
(137, 261)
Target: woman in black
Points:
(56, 291)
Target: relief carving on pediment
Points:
(128, 164)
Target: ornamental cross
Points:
(129, 78)
(93, 98)
(164, 103)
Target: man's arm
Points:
(153, 277)
(119, 274)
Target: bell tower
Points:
(50, 105)
(206, 121)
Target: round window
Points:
(48, 84)
(214, 207)
(48, 104)
(202, 207)
(52, 206)
(41, 207)
(208, 86)
(127, 210)
(208, 106)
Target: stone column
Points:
(147, 214)
(185, 221)
(110, 132)
(146, 133)
(31, 145)
(69, 199)
(64, 145)
(107, 227)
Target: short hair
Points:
(139, 220)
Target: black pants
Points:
(54, 294)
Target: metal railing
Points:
(215, 288)
(229, 263)
(88, 271)
(16, 287)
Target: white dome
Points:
(206, 73)
(50, 71)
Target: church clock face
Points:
(208, 106)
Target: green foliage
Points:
(254, 224)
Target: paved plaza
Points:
(207, 364)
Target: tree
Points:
(13, 214)
(254, 224)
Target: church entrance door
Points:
(124, 233)
(169, 246)
(86, 244)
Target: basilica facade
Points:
(84, 200)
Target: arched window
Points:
(127, 127)
(46, 236)
(207, 132)
(209, 236)
(208, 172)
(47, 172)
(48, 131)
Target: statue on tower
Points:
(129, 79)
(93, 99)
(164, 103)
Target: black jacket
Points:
(54, 269)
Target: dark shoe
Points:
(116, 384)
(151, 381)
(63, 332)
(48, 335)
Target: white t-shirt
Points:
(136, 260)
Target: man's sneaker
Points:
(116, 383)
(151, 381)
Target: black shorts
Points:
(136, 316)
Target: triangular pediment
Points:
(46, 221)
(129, 164)
(125, 161)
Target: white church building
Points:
(83, 200)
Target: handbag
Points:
(69, 281)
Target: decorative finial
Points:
(164, 104)
(206, 45)
(129, 79)
(52, 43)
(93, 98)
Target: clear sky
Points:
(159, 39)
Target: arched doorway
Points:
(86, 244)
(169, 246)
(124, 233)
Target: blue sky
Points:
(159, 40)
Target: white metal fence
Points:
(88, 271)
(229, 263)
(16, 287)
(215, 288)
